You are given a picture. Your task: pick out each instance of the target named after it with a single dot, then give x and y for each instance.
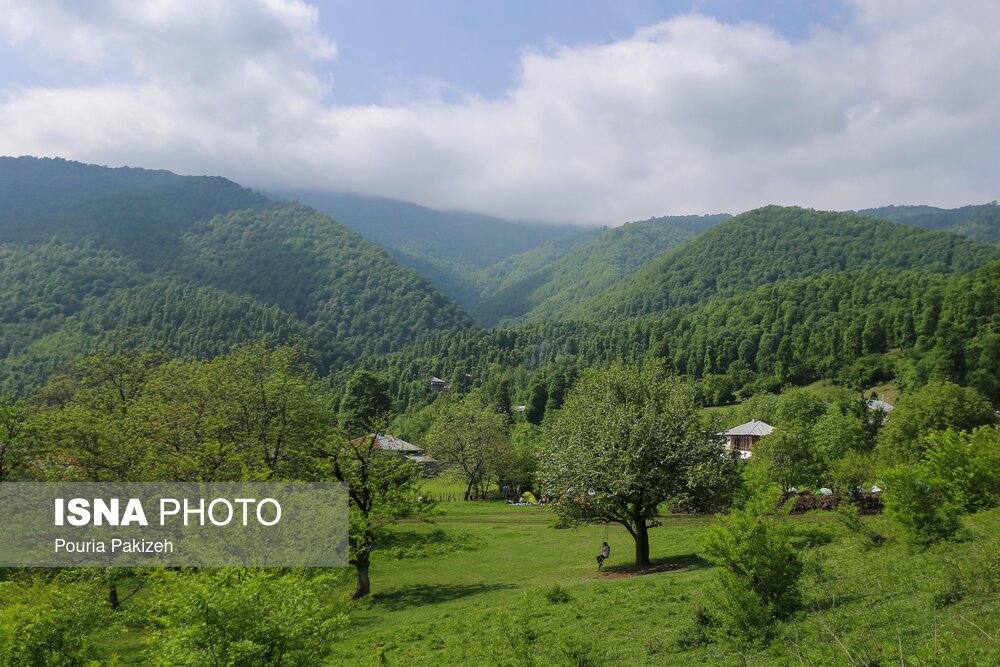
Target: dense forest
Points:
(192, 264)
(583, 272)
(860, 328)
(449, 248)
(980, 222)
(772, 297)
(777, 243)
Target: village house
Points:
(390, 443)
(742, 438)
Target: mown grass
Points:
(477, 586)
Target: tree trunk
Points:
(641, 544)
(113, 597)
(468, 490)
(364, 584)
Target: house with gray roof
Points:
(742, 438)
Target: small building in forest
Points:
(742, 438)
(390, 443)
(437, 384)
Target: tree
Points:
(934, 407)
(366, 399)
(472, 437)
(382, 486)
(14, 415)
(851, 472)
(242, 617)
(835, 434)
(920, 502)
(538, 396)
(785, 457)
(625, 441)
(757, 579)
(968, 464)
(519, 468)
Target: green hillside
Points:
(777, 243)
(859, 328)
(446, 247)
(137, 212)
(585, 271)
(193, 264)
(518, 267)
(980, 222)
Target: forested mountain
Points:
(137, 212)
(779, 243)
(981, 222)
(447, 247)
(837, 325)
(578, 275)
(773, 296)
(193, 264)
(518, 267)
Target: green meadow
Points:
(488, 583)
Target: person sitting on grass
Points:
(605, 553)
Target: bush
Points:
(52, 623)
(920, 503)
(849, 516)
(557, 595)
(968, 464)
(239, 617)
(759, 570)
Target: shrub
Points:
(557, 595)
(514, 636)
(920, 503)
(968, 464)
(52, 623)
(757, 580)
(240, 617)
(849, 516)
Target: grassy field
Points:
(487, 583)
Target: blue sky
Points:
(590, 112)
(388, 48)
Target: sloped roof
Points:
(390, 443)
(875, 404)
(753, 427)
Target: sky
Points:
(583, 111)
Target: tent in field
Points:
(528, 497)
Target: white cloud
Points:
(687, 116)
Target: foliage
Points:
(585, 271)
(919, 502)
(968, 464)
(52, 623)
(775, 243)
(626, 441)
(382, 488)
(934, 407)
(980, 222)
(365, 401)
(126, 414)
(851, 472)
(244, 618)
(786, 457)
(472, 437)
(757, 582)
(556, 595)
(14, 428)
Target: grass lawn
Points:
(477, 587)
